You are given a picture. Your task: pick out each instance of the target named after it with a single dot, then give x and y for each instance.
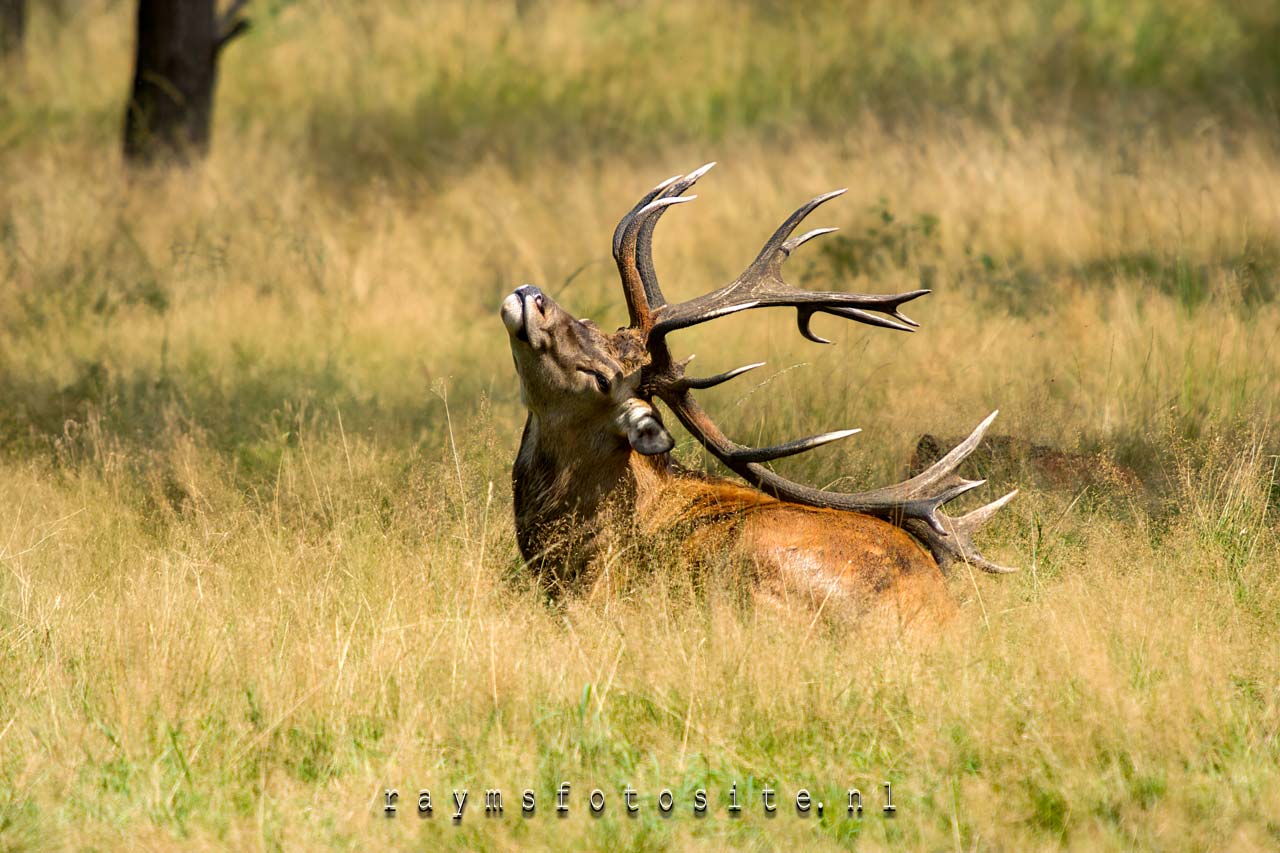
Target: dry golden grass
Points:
(256, 424)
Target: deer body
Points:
(594, 475)
(568, 503)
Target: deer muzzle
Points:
(524, 312)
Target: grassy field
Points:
(256, 424)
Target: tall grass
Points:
(256, 425)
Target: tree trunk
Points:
(13, 25)
(175, 70)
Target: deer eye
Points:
(602, 381)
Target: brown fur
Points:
(821, 559)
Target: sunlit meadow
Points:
(257, 563)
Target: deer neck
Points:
(564, 479)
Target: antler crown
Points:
(915, 504)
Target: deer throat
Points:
(573, 496)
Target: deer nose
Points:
(528, 291)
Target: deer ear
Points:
(647, 435)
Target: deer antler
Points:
(915, 504)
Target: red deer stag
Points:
(594, 456)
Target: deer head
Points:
(590, 394)
(577, 379)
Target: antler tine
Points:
(982, 514)
(737, 456)
(622, 223)
(779, 238)
(805, 314)
(761, 285)
(718, 379)
(635, 231)
(639, 311)
(790, 245)
(638, 305)
(938, 472)
(791, 448)
(958, 546)
(644, 241)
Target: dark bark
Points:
(13, 25)
(175, 70)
